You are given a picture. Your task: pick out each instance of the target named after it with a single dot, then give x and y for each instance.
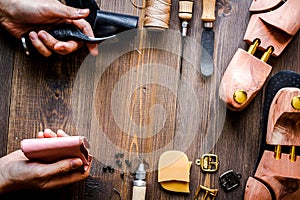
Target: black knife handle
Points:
(62, 32)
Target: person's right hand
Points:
(23, 16)
(17, 172)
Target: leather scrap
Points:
(174, 171)
(50, 150)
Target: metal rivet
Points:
(128, 163)
(240, 96)
(119, 163)
(110, 169)
(296, 102)
(104, 168)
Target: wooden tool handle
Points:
(208, 12)
(139, 193)
(186, 9)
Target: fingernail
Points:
(33, 36)
(43, 36)
(75, 163)
(83, 11)
(86, 167)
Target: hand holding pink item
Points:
(54, 160)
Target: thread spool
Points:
(157, 14)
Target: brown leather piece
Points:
(283, 121)
(263, 5)
(50, 150)
(244, 72)
(285, 18)
(269, 35)
(256, 190)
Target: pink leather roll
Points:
(50, 150)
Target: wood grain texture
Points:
(282, 176)
(262, 5)
(268, 35)
(290, 12)
(173, 111)
(283, 119)
(6, 63)
(245, 72)
(256, 190)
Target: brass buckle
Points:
(208, 192)
(208, 162)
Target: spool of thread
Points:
(157, 14)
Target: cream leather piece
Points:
(174, 171)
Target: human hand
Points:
(22, 16)
(17, 172)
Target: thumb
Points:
(63, 166)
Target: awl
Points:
(185, 14)
(207, 37)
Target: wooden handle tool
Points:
(185, 14)
(208, 13)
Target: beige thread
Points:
(157, 14)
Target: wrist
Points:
(6, 6)
(4, 186)
(3, 5)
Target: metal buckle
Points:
(212, 193)
(229, 180)
(208, 162)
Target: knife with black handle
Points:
(105, 25)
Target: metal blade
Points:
(207, 52)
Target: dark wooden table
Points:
(137, 106)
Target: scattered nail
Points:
(128, 163)
(119, 163)
(118, 193)
(122, 174)
(110, 169)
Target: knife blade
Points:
(207, 38)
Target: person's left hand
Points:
(23, 16)
(17, 172)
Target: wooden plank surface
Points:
(132, 100)
(6, 61)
